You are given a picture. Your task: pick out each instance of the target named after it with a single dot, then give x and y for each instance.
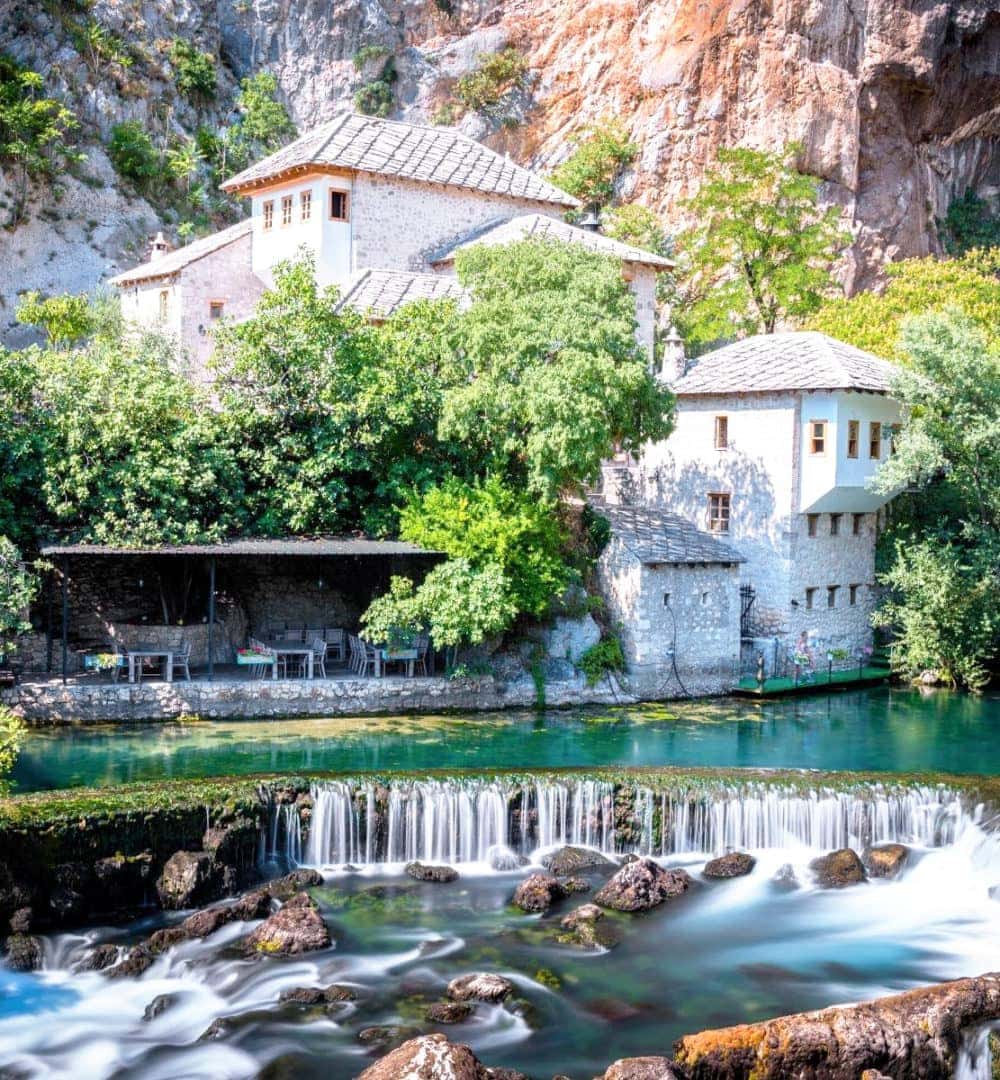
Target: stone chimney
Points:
(158, 247)
(591, 220)
(674, 363)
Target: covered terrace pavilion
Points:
(207, 602)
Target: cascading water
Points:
(468, 820)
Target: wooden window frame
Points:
(721, 433)
(212, 305)
(812, 525)
(719, 522)
(347, 205)
(875, 440)
(810, 598)
(853, 438)
(287, 210)
(822, 438)
(831, 597)
(305, 206)
(835, 524)
(859, 520)
(267, 213)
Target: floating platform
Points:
(816, 682)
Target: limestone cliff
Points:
(897, 102)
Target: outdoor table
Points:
(139, 654)
(287, 648)
(384, 656)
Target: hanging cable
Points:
(673, 650)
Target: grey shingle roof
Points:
(339, 545)
(381, 293)
(800, 360)
(173, 261)
(528, 225)
(658, 536)
(434, 155)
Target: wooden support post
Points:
(65, 620)
(211, 619)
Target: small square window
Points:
(857, 523)
(812, 524)
(853, 594)
(286, 210)
(817, 437)
(338, 205)
(718, 512)
(666, 599)
(722, 433)
(835, 524)
(267, 213)
(831, 596)
(216, 308)
(853, 437)
(874, 440)
(305, 205)
(810, 599)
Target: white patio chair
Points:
(334, 638)
(319, 656)
(181, 661)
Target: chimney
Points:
(591, 220)
(158, 247)
(674, 362)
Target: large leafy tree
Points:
(22, 458)
(761, 251)
(873, 320)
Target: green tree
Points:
(18, 587)
(183, 161)
(132, 152)
(968, 224)
(873, 321)
(66, 319)
(194, 70)
(761, 250)
(22, 460)
(636, 225)
(600, 152)
(12, 730)
(35, 133)
(553, 377)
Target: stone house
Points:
(777, 439)
(382, 206)
(673, 590)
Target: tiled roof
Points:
(657, 536)
(381, 293)
(337, 545)
(434, 155)
(527, 225)
(801, 360)
(173, 261)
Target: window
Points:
(874, 440)
(853, 594)
(722, 433)
(817, 437)
(164, 305)
(666, 599)
(812, 523)
(286, 210)
(268, 213)
(338, 205)
(859, 520)
(853, 437)
(216, 308)
(810, 599)
(831, 596)
(305, 205)
(835, 524)
(718, 512)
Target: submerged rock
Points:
(572, 885)
(504, 859)
(641, 885)
(187, 880)
(448, 1012)
(586, 928)
(916, 1034)
(886, 860)
(839, 869)
(284, 888)
(383, 1035)
(571, 860)
(734, 864)
(538, 892)
(99, 958)
(585, 913)
(296, 928)
(480, 986)
(785, 878)
(217, 1029)
(642, 1068)
(158, 1006)
(23, 953)
(422, 872)
(317, 995)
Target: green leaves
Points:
(600, 153)
(18, 587)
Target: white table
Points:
(392, 656)
(285, 648)
(136, 656)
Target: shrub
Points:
(65, 319)
(600, 152)
(368, 53)
(132, 152)
(497, 76)
(194, 71)
(17, 589)
(600, 659)
(11, 733)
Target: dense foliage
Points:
(17, 589)
(496, 77)
(599, 154)
(194, 70)
(65, 318)
(968, 224)
(133, 153)
(761, 250)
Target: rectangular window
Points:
(835, 524)
(164, 305)
(853, 437)
(722, 433)
(817, 437)
(874, 440)
(286, 209)
(216, 308)
(859, 520)
(268, 214)
(810, 599)
(718, 512)
(853, 589)
(831, 596)
(338, 205)
(812, 523)
(305, 205)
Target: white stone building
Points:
(776, 440)
(382, 206)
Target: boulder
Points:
(585, 913)
(448, 1012)
(284, 888)
(886, 860)
(785, 879)
(21, 920)
(916, 1034)
(502, 858)
(422, 872)
(217, 1029)
(434, 1057)
(642, 1068)
(296, 928)
(838, 870)
(572, 885)
(99, 958)
(571, 860)
(641, 885)
(187, 880)
(317, 995)
(733, 864)
(584, 928)
(23, 952)
(538, 892)
(480, 986)
(255, 905)
(382, 1035)
(158, 1006)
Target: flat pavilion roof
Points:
(332, 546)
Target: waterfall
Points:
(473, 820)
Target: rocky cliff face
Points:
(894, 101)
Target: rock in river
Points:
(422, 872)
(642, 885)
(886, 860)
(296, 928)
(838, 869)
(538, 892)
(23, 952)
(571, 860)
(642, 1068)
(734, 864)
(480, 986)
(448, 1012)
(317, 995)
(434, 1057)
(187, 879)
